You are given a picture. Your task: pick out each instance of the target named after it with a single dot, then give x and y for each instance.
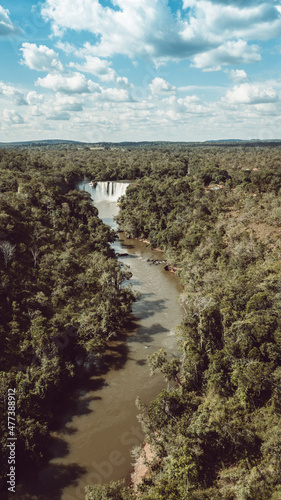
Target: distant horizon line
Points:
(70, 141)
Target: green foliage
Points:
(113, 491)
(221, 441)
(61, 297)
(159, 363)
(215, 211)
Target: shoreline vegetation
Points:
(215, 211)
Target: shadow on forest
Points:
(145, 335)
(129, 256)
(115, 358)
(149, 307)
(50, 482)
(142, 334)
(141, 362)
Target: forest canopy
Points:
(215, 211)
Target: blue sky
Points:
(134, 70)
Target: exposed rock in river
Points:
(171, 269)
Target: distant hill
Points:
(136, 144)
(47, 142)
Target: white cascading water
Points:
(108, 191)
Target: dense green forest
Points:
(216, 429)
(216, 212)
(61, 299)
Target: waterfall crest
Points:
(108, 191)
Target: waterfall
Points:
(105, 190)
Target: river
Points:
(100, 428)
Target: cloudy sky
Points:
(115, 70)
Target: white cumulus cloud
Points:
(54, 107)
(75, 83)
(116, 95)
(6, 25)
(147, 28)
(40, 58)
(12, 117)
(122, 82)
(15, 95)
(248, 93)
(66, 102)
(98, 67)
(232, 52)
(237, 75)
(160, 86)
